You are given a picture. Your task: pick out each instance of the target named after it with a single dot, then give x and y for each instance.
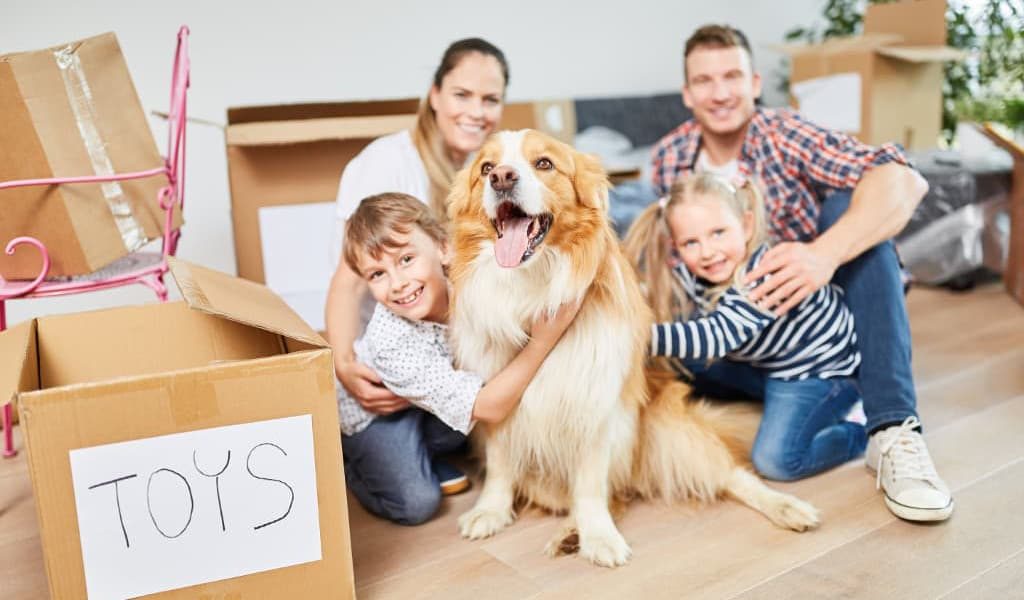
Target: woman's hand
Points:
(363, 384)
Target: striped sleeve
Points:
(733, 323)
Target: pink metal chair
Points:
(147, 268)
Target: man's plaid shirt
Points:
(796, 163)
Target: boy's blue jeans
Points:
(874, 293)
(388, 464)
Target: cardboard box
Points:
(194, 453)
(294, 154)
(884, 85)
(1013, 276)
(284, 165)
(554, 117)
(72, 110)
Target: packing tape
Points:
(80, 98)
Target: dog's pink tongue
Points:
(511, 245)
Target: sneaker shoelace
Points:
(909, 456)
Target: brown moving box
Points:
(72, 110)
(899, 61)
(1014, 274)
(130, 411)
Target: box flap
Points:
(321, 110)
(240, 300)
(839, 45)
(18, 370)
(918, 22)
(1002, 140)
(313, 130)
(922, 54)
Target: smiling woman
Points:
(462, 107)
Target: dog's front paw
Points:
(793, 513)
(480, 523)
(608, 549)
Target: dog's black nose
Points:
(503, 178)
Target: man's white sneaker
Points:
(906, 474)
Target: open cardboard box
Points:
(72, 110)
(884, 85)
(128, 415)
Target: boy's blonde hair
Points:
(649, 242)
(371, 229)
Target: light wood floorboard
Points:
(969, 368)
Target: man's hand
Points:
(365, 386)
(797, 270)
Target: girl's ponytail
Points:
(647, 246)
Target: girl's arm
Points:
(502, 393)
(731, 325)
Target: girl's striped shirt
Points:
(814, 339)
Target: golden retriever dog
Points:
(530, 233)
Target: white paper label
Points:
(832, 101)
(168, 512)
(296, 243)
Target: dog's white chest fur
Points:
(575, 395)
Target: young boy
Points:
(395, 244)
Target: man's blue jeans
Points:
(874, 292)
(388, 464)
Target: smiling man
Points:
(833, 206)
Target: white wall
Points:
(298, 50)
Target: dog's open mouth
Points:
(518, 234)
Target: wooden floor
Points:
(969, 364)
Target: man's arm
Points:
(885, 193)
(881, 205)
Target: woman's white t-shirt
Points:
(389, 164)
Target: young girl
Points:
(693, 249)
(397, 246)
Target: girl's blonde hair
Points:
(649, 243)
(429, 142)
(371, 230)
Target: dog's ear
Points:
(459, 202)
(591, 181)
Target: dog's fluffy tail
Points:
(688, 448)
(691, 450)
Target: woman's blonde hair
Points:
(427, 137)
(649, 244)
(371, 230)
